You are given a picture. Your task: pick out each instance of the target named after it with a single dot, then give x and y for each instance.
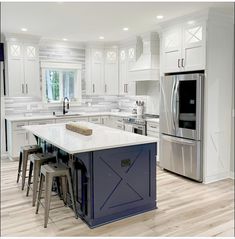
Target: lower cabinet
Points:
(95, 119)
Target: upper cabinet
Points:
(22, 64)
(183, 47)
(102, 71)
(126, 62)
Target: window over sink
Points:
(61, 80)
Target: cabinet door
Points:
(171, 50)
(31, 71)
(95, 119)
(111, 72)
(131, 85)
(97, 72)
(193, 50)
(122, 71)
(20, 138)
(15, 69)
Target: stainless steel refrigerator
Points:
(181, 111)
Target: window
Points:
(61, 80)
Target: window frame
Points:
(77, 68)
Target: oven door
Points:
(187, 106)
(139, 129)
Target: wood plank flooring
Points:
(185, 208)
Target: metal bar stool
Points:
(36, 160)
(25, 151)
(48, 172)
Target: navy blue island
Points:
(113, 171)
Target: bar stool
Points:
(25, 151)
(48, 172)
(36, 160)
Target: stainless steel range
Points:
(137, 124)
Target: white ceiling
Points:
(87, 21)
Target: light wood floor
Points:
(185, 208)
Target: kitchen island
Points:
(113, 171)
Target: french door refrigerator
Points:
(181, 110)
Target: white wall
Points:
(2, 123)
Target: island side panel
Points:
(124, 182)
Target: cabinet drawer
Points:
(71, 120)
(41, 122)
(153, 134)
(95, 120)
(152, 127)
(18, 125)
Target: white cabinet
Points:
(111, 72)
(71, 119)
(116, 122)
(183, 47)
(95, 119)
(101, 71)
(22, 69)
(126, 61)
(105, 120)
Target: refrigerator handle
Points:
(178, 140)
(174, 99)
(172, 102)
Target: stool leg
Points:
(19, 167)
(48, 188)
(36, 170)
(71, 193)
(25, 162)
(64, 189)
(40, 191)
(29, 179)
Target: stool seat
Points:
(25, 151)
(36, 160)
(48, 172)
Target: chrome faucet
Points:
(67, 105)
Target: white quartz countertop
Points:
(102, 138)
(80, 114)
(67, 116)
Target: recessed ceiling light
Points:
(125, 28)
(159, 17)
(23, 29)
(191, 22)
(101, 38)
(65, 39)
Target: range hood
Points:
(146, 67)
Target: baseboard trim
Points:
(232, 174)
(216, 177)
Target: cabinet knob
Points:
(93, 88)
(23, 88)
(26, 88)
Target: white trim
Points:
(60, 65)
(216, 177)
(232, 175)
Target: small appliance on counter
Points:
(139, 107)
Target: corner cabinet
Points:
(22, 64)
(101, 71)
(183, 47)
(126, 61)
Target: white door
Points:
(171, 49)
(31, 71)
(111, 72)
(193, 50)
(97, 72)
(15, 70)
